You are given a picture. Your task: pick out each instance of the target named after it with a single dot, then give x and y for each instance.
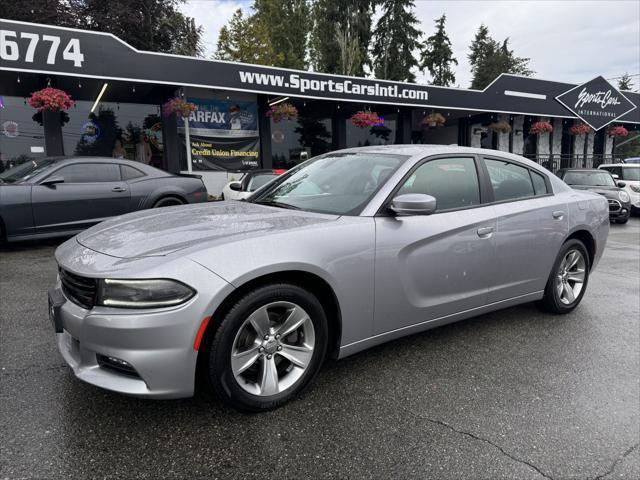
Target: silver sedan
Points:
(346, 251)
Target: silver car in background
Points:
(346, 251)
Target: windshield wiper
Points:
(278, 204)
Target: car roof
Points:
(580, 170)
(147, 169)
(632, 165)
(423, 150)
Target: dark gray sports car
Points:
(62, 196)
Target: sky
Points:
(569, 41)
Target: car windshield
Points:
(260, 180)
(336, 183)
(589, 178)
(631, 173)
(25, 171)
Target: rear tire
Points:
(168, 202)
(268, 348)
(568, 278)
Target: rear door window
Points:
(509, 181)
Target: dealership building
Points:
(119, 92)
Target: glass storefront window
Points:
(21, 137)
(120, 130)
(293, 142)
(380, 135)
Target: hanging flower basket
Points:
(433, 120)
(366, 119)
(50, 100)
(580, 129)
(540, 127)
(618, 131)
(500, 127)
(282, 111)
(179, 106)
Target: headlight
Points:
(635, 188)
(623, 196)
(151, 293)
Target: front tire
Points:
(268, 348)
(568, 278)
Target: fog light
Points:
(624, 210)
(113, 363)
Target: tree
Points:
(245, 39)
(340, 36)
(155, 25)
(286, 25)
(489, 58)
(394, 40)
(625, 82)
(437, 56)
(50, 12)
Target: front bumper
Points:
(158, 344)
(618, 210)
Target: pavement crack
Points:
(613, 466)
(482, 439)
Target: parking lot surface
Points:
(512, 394)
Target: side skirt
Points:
(360, 345)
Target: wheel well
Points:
(587, 239)
(315, 284)
(172, 195)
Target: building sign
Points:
(224, 118)
(51, 50)
(223, 135)
(597, 103)
(209, 153)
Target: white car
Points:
(248, 183)
(629, 173)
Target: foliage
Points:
(625, 82)
(154, 25)
(365, 119)
(50, 99)
(500, 127)
(617, 131)
(489, 58)
(433, 120)
(282, 111)
(340, 36)
(245, 39)
(437, 56)
(394, 39)
(540, 127)
(580, 129)
(313, 134)
(179, 106)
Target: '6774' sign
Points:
(597, 103)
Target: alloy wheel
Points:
(273, 348)
(571, 276)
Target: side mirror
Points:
(236, 186)
(621, 184)
(53, 180)
(615, 176)
(413, 204)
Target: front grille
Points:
(80, 290)
(614, 205)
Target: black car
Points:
(600, 181)
(62, 196)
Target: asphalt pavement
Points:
(512, 394)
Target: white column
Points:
(476, 138)
(557, 136)
(518, 134)
(187, 141)
(503, 138)
(543, 140)
(608, 145)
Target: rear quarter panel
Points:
(145, 192)
(590, 211)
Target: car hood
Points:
(609, 192)
(163, 231)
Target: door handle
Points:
(558, 214)
(118, 189)
(485, 232)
